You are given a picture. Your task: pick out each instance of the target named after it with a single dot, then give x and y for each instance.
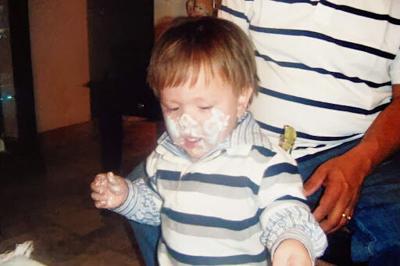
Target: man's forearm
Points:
(383, 136)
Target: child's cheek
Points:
(215, 126)
(172, 127)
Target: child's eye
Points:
(205, 107)
(172, 109)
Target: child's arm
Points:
(108, 190)
(285, 216)
(137, 200)
(291, 232)
(291, 253)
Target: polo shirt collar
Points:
(246, 134)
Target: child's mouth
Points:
(191, 142)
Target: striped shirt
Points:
(325, 67)
(229, 208)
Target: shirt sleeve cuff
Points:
(129, 204)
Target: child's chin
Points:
(195, 155)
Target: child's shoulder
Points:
(265, 151)
(271, 155)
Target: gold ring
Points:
(347, 217)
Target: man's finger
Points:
(314, 182)
(337, 216)
(328, 201)
(333, 223)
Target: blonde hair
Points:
(215, 45)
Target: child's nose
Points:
(187, 121)
(190, 112)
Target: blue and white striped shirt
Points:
(325, 67)
(232, 207)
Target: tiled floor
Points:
(52, 206)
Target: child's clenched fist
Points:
(108, 190)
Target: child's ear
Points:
(243, 101)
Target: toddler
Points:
(221, 192)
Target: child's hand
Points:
(108, 190)
(291, 253)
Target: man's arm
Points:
(237, 11)
(343, 176)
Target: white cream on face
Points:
(214, 126)
(208, 132)
(183, 126)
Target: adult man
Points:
(331, 70)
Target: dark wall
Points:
(23, 150)
(120, 42)
(22, 71)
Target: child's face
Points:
(198, 117)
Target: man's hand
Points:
(291, 253)
(342, 178)
(108, 190)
